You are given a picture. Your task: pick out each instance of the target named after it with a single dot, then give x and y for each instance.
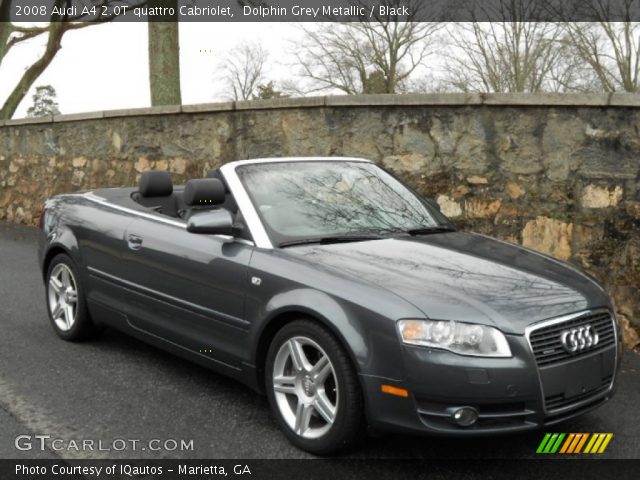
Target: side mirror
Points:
(213, 222)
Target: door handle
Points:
(134, 242)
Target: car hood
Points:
(465, 277)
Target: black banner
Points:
(325, 469)
(318, 10)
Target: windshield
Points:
(313, 200)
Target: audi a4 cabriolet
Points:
(338, 291)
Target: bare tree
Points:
(243, 71)
(12, 35)
(377, 56)
(611, 49)
(511, 54)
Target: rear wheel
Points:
(313, 388)
(65, 300)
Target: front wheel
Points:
(65, 300)
(313, 388)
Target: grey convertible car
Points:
(338, 291)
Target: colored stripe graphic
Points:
(574, 443)
(593, 439)
(555, 447)
(599, 442)
(596, 447)
(567, 443)
(543, 443)
(576, 440)
(550, 443)
(607, 439)
(581, 443)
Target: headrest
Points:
(155, 183)
(203, 191)
(218, 174)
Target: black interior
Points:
(204, 192)
(156, 192)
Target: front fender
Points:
(323, 307)
(369, 338)
(57, 238)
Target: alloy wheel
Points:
(62, 292)
(305, 387)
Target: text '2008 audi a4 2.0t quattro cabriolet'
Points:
(338, 291)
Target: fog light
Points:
(465, 416)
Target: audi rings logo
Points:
(579, 339)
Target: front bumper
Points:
(508, 394)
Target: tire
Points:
(315, 394)
(66, 302)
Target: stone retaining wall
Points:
(557, 173)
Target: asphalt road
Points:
(116, 387)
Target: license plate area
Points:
(569, 383)
(583, 376)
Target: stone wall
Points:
(557, 173)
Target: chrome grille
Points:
(547, 345)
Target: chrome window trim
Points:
(246, 206)
(565, 318)
(102, 201)
(253, 161)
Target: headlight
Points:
(457, 337)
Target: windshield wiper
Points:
(428, 230)
(330, 239)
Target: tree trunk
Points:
(5, 30)
(164, 57)
(5, 27)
